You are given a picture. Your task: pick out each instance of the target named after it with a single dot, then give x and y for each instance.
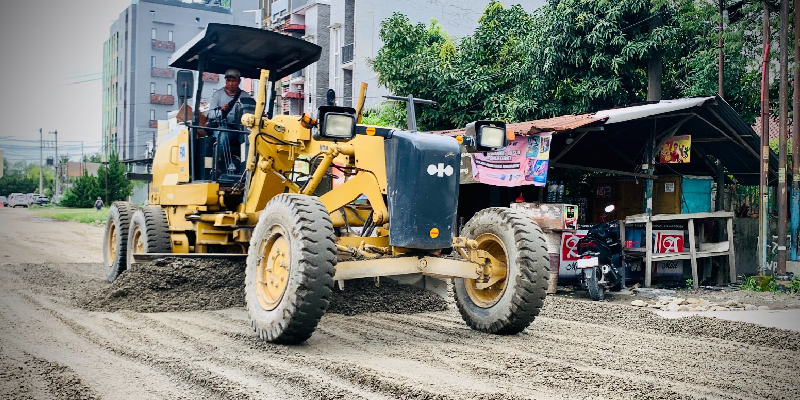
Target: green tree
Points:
(83, 192)
(570, 57)
(112, 182)
(16, 179)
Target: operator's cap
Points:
(233, 73)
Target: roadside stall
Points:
(658, 158)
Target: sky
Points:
(51, 61)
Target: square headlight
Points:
(485, 136)
(492, 137)
(336, 123)
(338, 126)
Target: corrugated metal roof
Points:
(558, 124)
(616, 115)
(622, 135)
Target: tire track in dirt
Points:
(565, 354)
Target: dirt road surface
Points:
(65, 333)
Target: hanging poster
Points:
(676, 150)
(523, 162)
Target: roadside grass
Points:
(83, 215)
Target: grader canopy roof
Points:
(247, 49)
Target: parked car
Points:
(17, 200)
(31, 198)
(3, 201)
(42, 200)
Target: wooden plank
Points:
(692, 251)
(673, 217)
(718, 246)
(671, 256)
(731, 253)
(648, 255)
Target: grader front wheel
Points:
(290, 266)
(510, 304)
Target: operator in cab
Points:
(221, 114)
(223, 100)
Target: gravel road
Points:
(165, 333)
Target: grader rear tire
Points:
(290, 266)
(115, 239)
(149, 232)
(511, 304)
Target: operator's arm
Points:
(214, 112)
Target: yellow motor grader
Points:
(220, 190)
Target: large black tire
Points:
(290, 267)
(149, 232)
(510, 305)
(115, 239)
(596, 290)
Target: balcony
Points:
(162, 45)
(293, 95)
(294, 28)
(162, 72)
(166, 99)
(298, 4)
(210, 77)
(347, 53)
(153, 123)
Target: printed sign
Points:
(669, 242)
(182, 152)
(523, 162)
(676, 150)
(568, 259)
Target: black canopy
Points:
(246, 49)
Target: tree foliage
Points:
(110, 184)
(21, 177)
(569, 57)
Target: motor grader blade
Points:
(141, 258)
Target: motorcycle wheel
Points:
(592, 276)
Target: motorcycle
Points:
(600, 258)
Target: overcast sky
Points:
(51, 61)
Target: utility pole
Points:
(783, 139)
(55, 164)
(795, 218)
(721, 89)
(41, 175)
(763, 216)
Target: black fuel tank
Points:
(422, 173)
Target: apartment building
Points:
(138, 84)
(348, 32)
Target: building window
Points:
(153, 33)
(152, 88)
(152, 61)
(169, 89)
(169, 36)
(152, 115)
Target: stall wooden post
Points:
(693, 254)
(731, 254)
(648, 255)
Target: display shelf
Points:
(697, 247)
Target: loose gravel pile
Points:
(180, 284)
(646, 321)
(174, 284)
(363, 296)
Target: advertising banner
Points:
(676, 150)
(523, 162)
